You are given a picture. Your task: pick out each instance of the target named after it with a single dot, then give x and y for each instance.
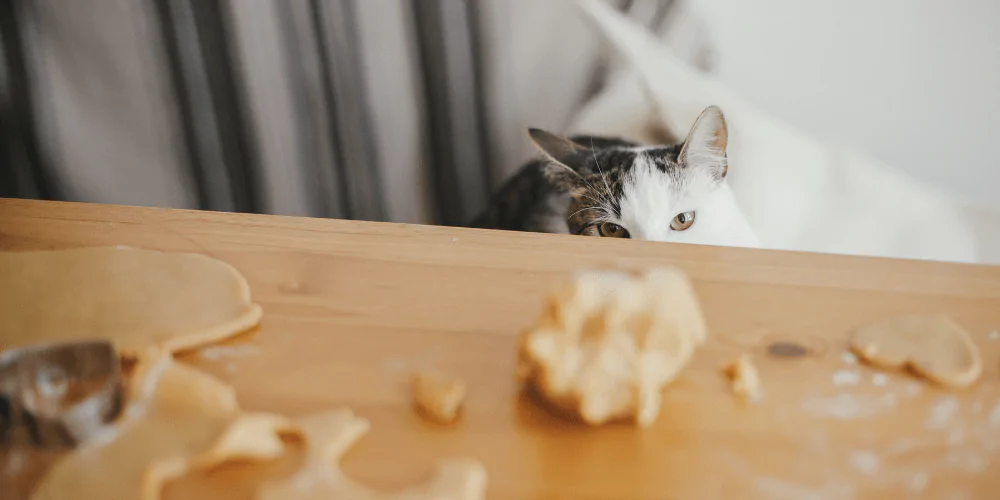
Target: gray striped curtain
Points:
(401, 110)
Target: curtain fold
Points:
(400, 110)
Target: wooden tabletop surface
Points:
(352, 308)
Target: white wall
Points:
(916, 83)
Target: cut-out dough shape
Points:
(329, 435)
(607, 344)
(178, 419)
(135, 298)
(934, 347)
(438, 397)
(743, 375)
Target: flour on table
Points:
(865, 461)
(995, 414)
(846, 377)
(395, 364)
(918, 482)
(969, 461)
(942, 413)
(956, 436)
(913, 389)
(846, 406)
(887, 400)
(902, 446)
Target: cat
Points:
(798, 193)
(615, 188)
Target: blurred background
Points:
(414, 110)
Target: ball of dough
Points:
(608, 343)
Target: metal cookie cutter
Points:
(58, 395)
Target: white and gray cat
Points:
(609, 187)
(796, 192)
(788, 191)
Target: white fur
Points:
(796, 193)
(651, 200)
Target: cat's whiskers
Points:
(597, 202)
(593, 152)
(582, 178)
(599, 209)
(605, 218)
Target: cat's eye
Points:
(612, 230)
(682, 221)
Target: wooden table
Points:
(352, 308)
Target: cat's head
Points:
(674, 193)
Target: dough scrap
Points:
(934, 347)
(136, 298)
(743, 374)
(178, 419)
(608, 343)
(329, 435)
(438, 397)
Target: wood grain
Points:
(352, 308)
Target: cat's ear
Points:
(558, 149)
(564, 157)
(705, 146)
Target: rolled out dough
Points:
(135, 298)
(609, 342)
(329, 435)
(179, 419)
(934, 347)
